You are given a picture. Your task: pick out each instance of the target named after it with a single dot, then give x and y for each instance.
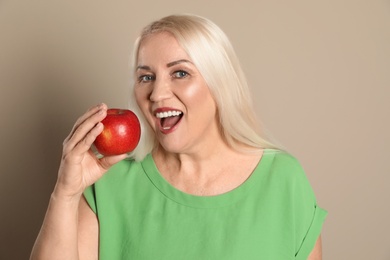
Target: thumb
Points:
(108, 161)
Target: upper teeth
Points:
(168, 114)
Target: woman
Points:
(203, 182)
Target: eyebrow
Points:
(173, 63)
(170, 64)
(143, 67)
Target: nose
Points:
(161, 90)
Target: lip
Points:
(158, 121)
(165, 109)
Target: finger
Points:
(86, 132)
(86, 143)
(91, 111)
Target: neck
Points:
(213, 171)
(193, 161)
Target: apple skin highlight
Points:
(121, 133)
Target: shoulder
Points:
(285, 164)
(286, 159)
(286, 173)
(125, 176)
(122, 166)
(291, 188)
(121, 172)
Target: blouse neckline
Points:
(215, 201)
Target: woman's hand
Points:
(79, 165)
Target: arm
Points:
(88, 232)
(316, 253)
(68, 218)
(58, 235)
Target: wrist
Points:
(59, 194)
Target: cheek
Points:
(200, 96)
(141, 97)
(196, 93)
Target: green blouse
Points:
(272, 215)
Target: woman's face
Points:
(174, 97)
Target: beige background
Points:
(320, 73)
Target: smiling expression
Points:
(174, 97)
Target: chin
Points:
(171, 146)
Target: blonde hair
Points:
(213, 55)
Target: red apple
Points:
(121, 132)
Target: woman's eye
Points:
(145, 78)
(180, 74)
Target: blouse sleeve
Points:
(89, 195)
(309, 217)
(312, 234)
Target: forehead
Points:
(161, 46)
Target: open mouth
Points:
(169, 119)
